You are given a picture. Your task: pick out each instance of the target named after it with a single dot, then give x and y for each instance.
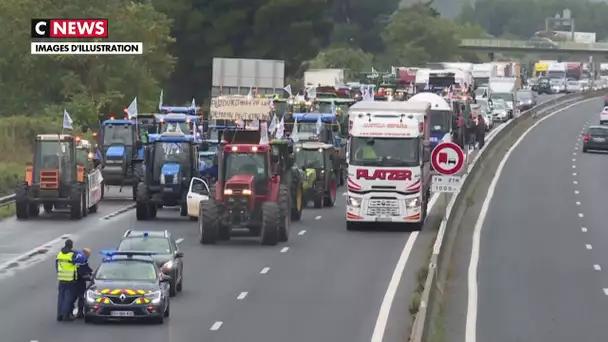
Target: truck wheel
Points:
(21, 202)
(103, 189)
(85, 209)
(285, 212)
(208, 222)
(271, 216)
(330, 194)
(48, 207)
(298, 204)
(93, 209)
(76, 205)
(142, 211)
(319, 199)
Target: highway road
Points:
(542, 247)
(325, 284)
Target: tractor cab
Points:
(307, 128)
(172, 122)
(84, 153)
(319, 163)
(117, 150)
(170, 164)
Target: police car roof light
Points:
(146, 234)
(109, 253)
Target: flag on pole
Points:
(131, 111)
(288, 90)
(250, 94)
(160, 100)
(393, 70)
(320, 124)
(281, 129)
(67, 120)
(273, 125)
(294, 132)
(264, 134)
(193, 105)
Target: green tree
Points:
(349, 59)
(84, 84)
(523, 18)
(292, 30)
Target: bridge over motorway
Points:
(599, 50)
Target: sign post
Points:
(448, 160)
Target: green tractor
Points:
(321, 167)
(291, 175)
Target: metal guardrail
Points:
(524, 44)
(448, 229)
(6, 200)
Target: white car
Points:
(500, 111)
(199, 191)
(604, 116)
(573, 87)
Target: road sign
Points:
(445, 183)
(447, 158)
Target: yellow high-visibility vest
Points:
(66, 270)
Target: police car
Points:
(165, 251)
(127, 286)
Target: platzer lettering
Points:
(385, 174)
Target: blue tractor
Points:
(169, 163)
(117, 150)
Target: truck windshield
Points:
(171, 152)
(441, 120)
(556, 74)
(508, 97)
(309, 159)
(245, 164)
(172, 127)
(118, 134)
(366, 151)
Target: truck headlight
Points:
(91, 296)
(228, 192)
(354, 202)
(247, 192)
(412, 203)
(154, 297)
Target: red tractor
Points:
(249, 193)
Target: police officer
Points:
(66, 276)
(84, 275)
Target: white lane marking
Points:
(265, 270)
(574, 182)
(242, 296)
(574, 173)
(597, 267)
(302, 232)
(573, 153)
(471, 320)
(573, 160)
(576, 192)
(178, 241)
(391, 291)
(344, 194)
(33, 252)
(574, 166)
(583, 229)
(118, 212)
(580, 215)
(588, 246)
(216, 326)
(318, 217)
(606, 291)
(578, 203)
(284, 249)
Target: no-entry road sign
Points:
(447, 158)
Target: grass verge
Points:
(7, 211)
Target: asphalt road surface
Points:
(325, 284)
(543, 243)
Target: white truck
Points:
(324, 77)
(557, 75)
(389, 172)
(482, 73)
(505, 88)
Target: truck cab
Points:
(388, 166)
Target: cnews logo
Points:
(69, 28)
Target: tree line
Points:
(181, 37)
